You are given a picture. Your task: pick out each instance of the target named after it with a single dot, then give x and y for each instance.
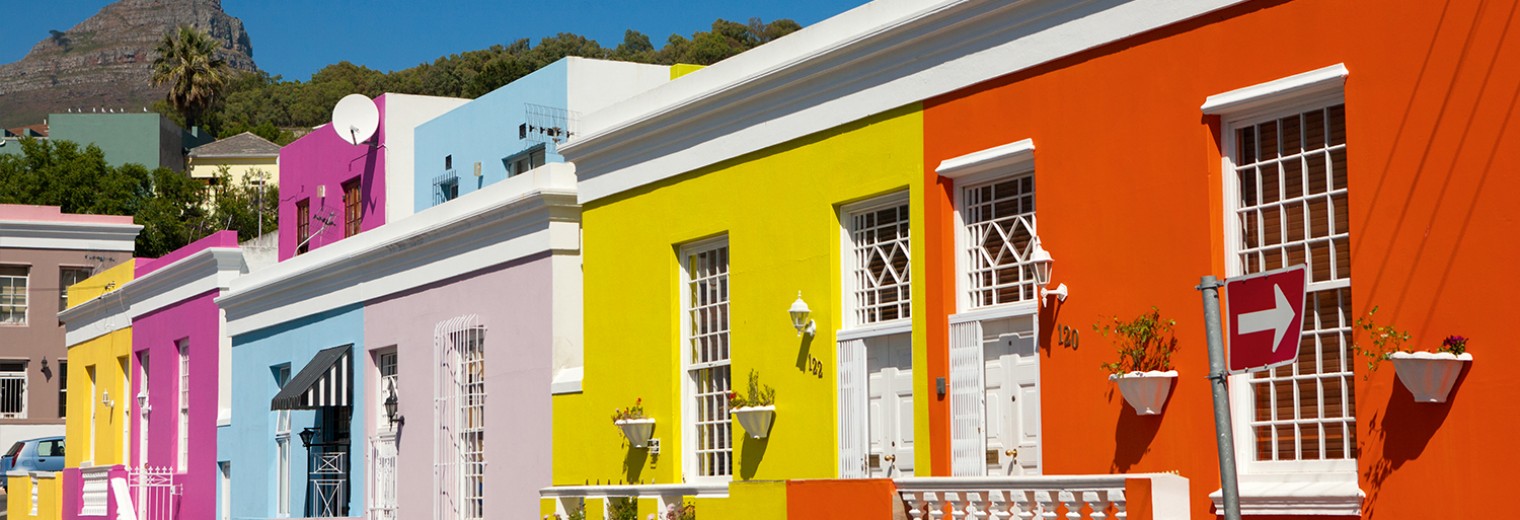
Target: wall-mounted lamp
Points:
(306, 435)
(321, 191)
(105, 399)
(800, 313)
(1043, 264)
(391, 404)
(142, 402)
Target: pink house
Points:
(331, 190)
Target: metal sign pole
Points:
(1228, 485)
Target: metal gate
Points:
(383, 456)
(156, 491)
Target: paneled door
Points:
(889, 363)
(1013, 398)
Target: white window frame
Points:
(25, 294)
(182, 427)
(25, 379)
(144, 362)
(63, 287)
(384, 358)
(995, 164)
(691, 466)
(282, 448)
(850, 269)
(1325, 487)
(224, 470)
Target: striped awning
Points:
(326, 381)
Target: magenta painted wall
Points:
(321, 158)
(196, 319)
(217, 239)
(513, 302)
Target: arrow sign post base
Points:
(1229, 485)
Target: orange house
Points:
(1374, 142)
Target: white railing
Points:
(157, 492)
(570, 499)
(94, 490)
(383, 457)
(1096, 497)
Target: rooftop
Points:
(245, 144)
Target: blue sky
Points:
(296, 38)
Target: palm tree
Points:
(187, 61)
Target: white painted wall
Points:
(403, 112)
(598, 84)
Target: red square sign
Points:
(1266, 318)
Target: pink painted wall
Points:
(74, 501)
(55, 214)
(218, 239)
(197, 319)
(513, 302)
(321, 158)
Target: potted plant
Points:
(756, 411)
(1144, 369)
(635, 426)
(1429, 376)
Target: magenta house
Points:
(331, 190)
(180, 384)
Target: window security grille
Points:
(13, 390)
(881, 263)
(459, 401)
(445, 187)
(1291, 174)
(708, 368)
(1000, 233)
(13, 297)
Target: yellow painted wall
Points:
(104, 353)
(18, 501)
(682, 69)
(779, 210)
(238, 168)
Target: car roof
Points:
(57, 438)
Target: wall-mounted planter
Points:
(1145, 391)
(636, 430)
(756, 420)
(1429, 375)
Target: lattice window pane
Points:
(1292, 210)
(13, 301)
(708, 341)
(1000, 232)
(881, 264)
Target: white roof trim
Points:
(1011, 155)
(83, 236)
(516, 218)
(1314, 82)
(204, 271)
(878, 57)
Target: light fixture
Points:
(306, 435)
(390, 406)
(142, 401)
(800, 320)
(1043, 264)
(105, 399)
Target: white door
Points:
(1013, 399)
(889, 364)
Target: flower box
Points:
(1145, 391)
(1429, 375)
(636, 430)
(756, 420)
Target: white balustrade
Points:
(1097, 497)
(94, 490)
(569, 499)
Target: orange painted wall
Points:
(848, 498)
(1129, 203)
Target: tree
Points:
(188, 63)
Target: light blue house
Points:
(515, 128)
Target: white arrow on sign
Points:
(1276, 319)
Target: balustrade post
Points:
(1073, 507)
(1025, 502)
(998, 507)
(1116, 496)
(1099, 505)
(1047, 505)
(914, 503)
(935, 507)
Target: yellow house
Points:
(99, 376)
(247, 158)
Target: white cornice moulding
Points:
(211, 269)
(878, 57)
(1312, 83)
(522, 216)
(82, 236)
(1017, 154)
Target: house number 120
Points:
(1067, 337)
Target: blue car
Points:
(40, 454)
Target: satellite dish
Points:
(355, 118)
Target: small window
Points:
(303, 225)
(67, 277)
(352, 210)
(524, 161)
(448, 162)
(13, 284)
(63, 388)
(12, 389)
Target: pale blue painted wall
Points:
(486, 131)
(249, 441)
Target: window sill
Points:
(567, 381)
(1329, 494)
